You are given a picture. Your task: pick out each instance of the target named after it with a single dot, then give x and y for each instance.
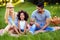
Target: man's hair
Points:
(40, 4)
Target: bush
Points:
(48, 1)
(35, 1)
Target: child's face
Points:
(32, 21)
(22, 16)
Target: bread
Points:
(55, 20)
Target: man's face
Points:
(40, 10)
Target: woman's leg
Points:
(6, 29)
(1, 32)
(16, 30)
(13, 33)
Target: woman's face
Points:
(11, 9)
(22, 16)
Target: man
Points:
(42, 17)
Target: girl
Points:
(22, 21)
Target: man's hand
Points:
(46, 24)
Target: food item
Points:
(55, 20)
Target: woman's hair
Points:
(25, 14)
(7, 12)
(32, 19)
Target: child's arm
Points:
(19, 26)
(28, 27)
(37, 24)
(25, 29)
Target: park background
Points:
(30, 5)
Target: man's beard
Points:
(39, 11)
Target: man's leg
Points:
(36, 32)
(56, 28)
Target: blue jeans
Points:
(46, 29)
(34, 28)
(22, 30)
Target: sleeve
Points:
(11, 21)
(48, 15)
(33, 15)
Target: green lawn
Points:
(29, 7)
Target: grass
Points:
(29, 7)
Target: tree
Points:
(35, 1)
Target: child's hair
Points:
(25, 14)
(32, 19)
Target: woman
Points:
(10, 19)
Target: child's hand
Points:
(37, 24)
(28, 27)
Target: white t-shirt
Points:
(22, 25)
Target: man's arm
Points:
(46, 24)
(48, 18)
(33, 14)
